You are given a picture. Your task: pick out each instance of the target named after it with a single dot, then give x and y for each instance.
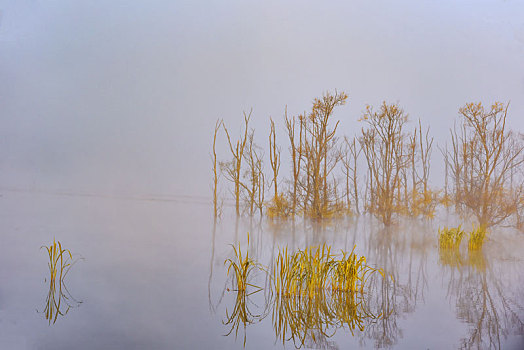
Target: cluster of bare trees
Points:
(383, 170)
(314, 156)
(395, 156)
(485, 165)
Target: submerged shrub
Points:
(279, 207)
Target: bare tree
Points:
(232, 168)
(349, 159)
(296, 155)
(215, 174)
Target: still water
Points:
(150, 274)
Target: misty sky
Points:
(122, 96)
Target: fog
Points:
(121, 97)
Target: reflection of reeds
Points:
(59, 300)
(302, 318)
(313, 293)
(450, 257)
(242, 266)
(477, 260)
(487, 302)
(241, 314)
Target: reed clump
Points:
(317, 292)
(302, 273)
(313, 292)
(242, 266)
(449, 246)
(351, 272)
(476, 238)
(450, 238)
(314, 270)
(59, 301)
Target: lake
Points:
(150, 274)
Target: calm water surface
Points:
(150, 275)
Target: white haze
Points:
(121, 97)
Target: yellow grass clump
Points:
(351, 272)
(476, 238)
(242, 266)
(312, 293)
(316, 292)
(450, 238)
(59, 300)
(314, 270)
(301, 273)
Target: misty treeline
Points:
(384, 170)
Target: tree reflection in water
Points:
(401, 253)
(480, 288)
(485, 302)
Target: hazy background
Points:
(121, 97)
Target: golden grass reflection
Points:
(59, 300)
(305, 320)
(312, 293)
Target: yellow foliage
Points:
(449, 243)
